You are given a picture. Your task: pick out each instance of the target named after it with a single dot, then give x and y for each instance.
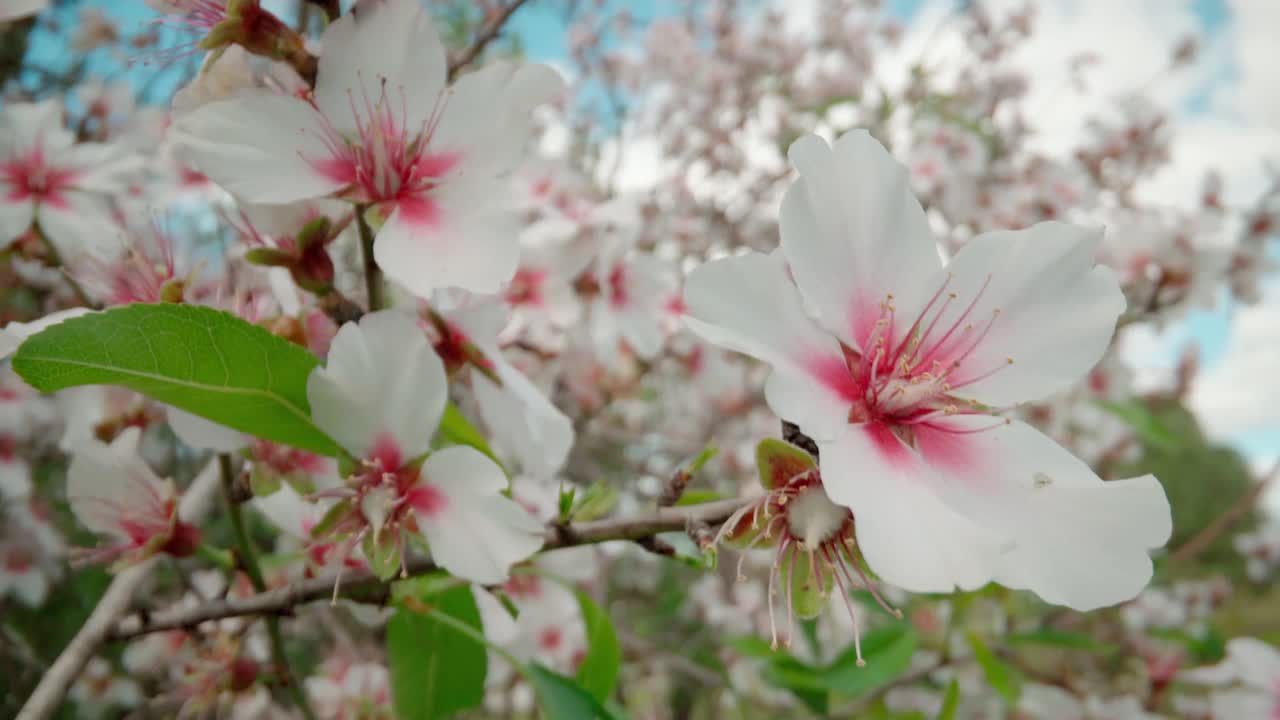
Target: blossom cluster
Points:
(887, 325)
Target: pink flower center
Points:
(526, 287)
(904, 380)
(386, 160)
(31, 176)
(18, 561)
(549, 639)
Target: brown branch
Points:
(1223, 522)
(486, 35)
(364, 586)
(52, 690)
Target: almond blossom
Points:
(814, 539)
(48, 179)
(895, 366)
(523, 421)
(381, 130)
(1246, 684)
(381, 395)
(113, 492)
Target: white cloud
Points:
(1242, 392)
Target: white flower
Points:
(380, 396)
(893, 363)
(30, 552)
(382, 130)
(522, 420)
(1255, 666)
(48, 178)
(114, 493)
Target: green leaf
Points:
(950, 701)
(1059, 639)
(1144, 422)
(1001, 676)
(436, 671)
(458, 430)
(887, 651)
(561, 698)
(202, 360)
(697, 497)
(598, 672)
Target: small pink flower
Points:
(381, 395)
(48, 179)
(113, 492)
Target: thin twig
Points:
(54, 684)
(247, 556)
(483, 38)
(363, 585)
(1223, 522)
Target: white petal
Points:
(1056, 312)
(392, 42)
(15, 215)
(1257, 663)
(489, 114)
(201, 434)
(1079, 541)
(80, 223)
(101, 167)
(523, 421)
(15, 479)
(748, 304)
(854, 233)
(104, 482)
(460, 235)
(261, 148)
(289, 512)
(381, 380)
(12, 334)
(1243, 703)
(907, 535)
(477, 534)
(499, 626)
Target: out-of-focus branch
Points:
(1223, 522)
(247, 558)
(488, 32)
(54, 684)
(364, 586)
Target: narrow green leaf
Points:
(1001, 676)
(202, 360)
(561, 698)
(436, 671)
(1146, 424)
(598, 672)
(950, 701)
(887, 651)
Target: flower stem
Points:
(248, 561)
(372, 273)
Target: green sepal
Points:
(808, 598)
(382, 551)
(779, 461)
